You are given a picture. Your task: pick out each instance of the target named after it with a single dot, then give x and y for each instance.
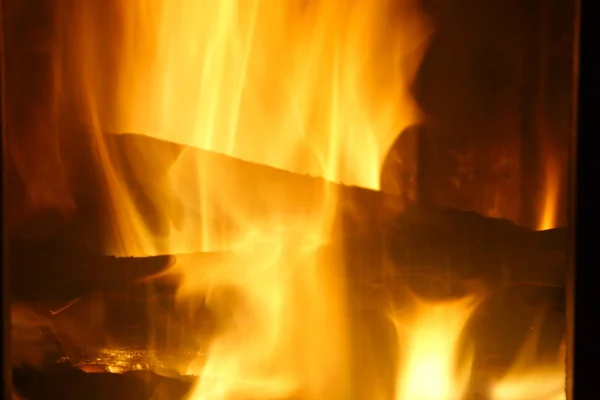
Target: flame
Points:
(293, 84)
(530, 379)
(281, 312)
(317, 87)
(269, 82)
(550, 207)
(431, 336)
(312, 87)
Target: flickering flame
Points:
(430, 356)
(312, 87)
(550, 207)
(282, 317)
(530, 379)
(315, 87)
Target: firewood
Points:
(379, 233)
(410, 234)
(69, 383)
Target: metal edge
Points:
(6, 323)
(583, 322)
(572, 185)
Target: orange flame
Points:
(315, 87)
(550, 207)
(311, 87)
(528, 379)
(431, 336)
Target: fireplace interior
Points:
(324, 199)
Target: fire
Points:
(296, 85)
(312, 87)
(550, 207)
(431, 336)
(317, 87)
(530, 379)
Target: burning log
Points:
(384, 239)
(476, 247)
(381, 233)
(68, 383)
(376, 228)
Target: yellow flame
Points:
(550, 208)
(292, 84)
(248, 77)
(313, 87)
(430, 338)
(529, 379)
(280, 312)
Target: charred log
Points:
(387, 243)
(381, 233)
(69, 383)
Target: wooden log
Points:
(379, 233)
(387, 244)
(376, 228)
(68, 383)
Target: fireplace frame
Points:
(4, 297)
(583, 322)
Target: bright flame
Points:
(550, 208)
(313, 87)
(430, 338)
(528, 379)
(292, 84)
(282, 316)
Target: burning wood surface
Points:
(286, 259)
(375, 224)
(389, 243)
(418, 239)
